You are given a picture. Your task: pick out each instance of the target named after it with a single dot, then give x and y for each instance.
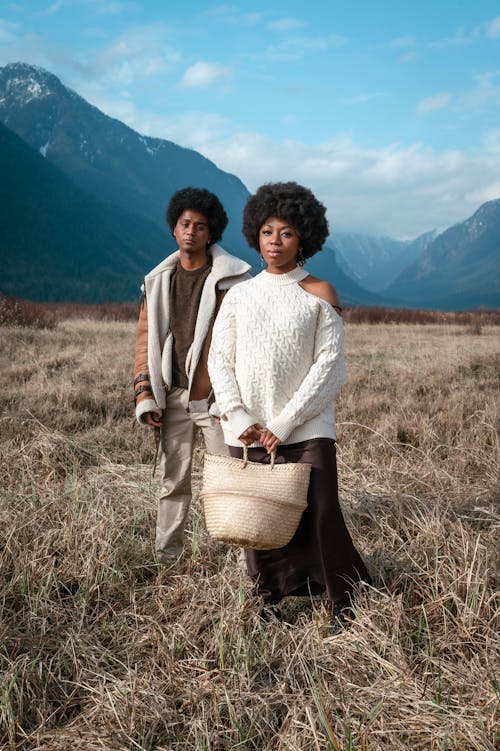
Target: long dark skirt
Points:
(321, 557)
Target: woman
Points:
(275, 365)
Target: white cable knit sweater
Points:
(276, 359)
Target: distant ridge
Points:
(376, 261)
(59, 243)
(460, 269)
(325, 266)
(126, 180)
(119, 169)
(107, 158)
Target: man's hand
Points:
(153, 419)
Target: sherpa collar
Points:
(223, 264)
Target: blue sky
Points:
(390, 112)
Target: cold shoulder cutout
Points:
(323, 290)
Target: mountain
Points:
(59, 243)
(324, 265)
(374, 262)
(108, 159)
(459, 269)
(90, 177)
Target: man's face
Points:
(192, 233)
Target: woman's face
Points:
(279, 245)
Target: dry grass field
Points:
(101, 648)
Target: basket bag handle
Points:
(245, 456)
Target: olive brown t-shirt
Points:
(185, 294)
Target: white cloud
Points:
(493, 28)
(231, 14)
(405, 41)
(286, 24)
(205, 74)
(114, 9)
(139, 53)
(29, 47)
(396, 189)
(110, 7)
(487, 193)
(363, 98)
(488, 85)
(222, 10)
(54, 8)
(431, 103)
(399, 190)
(486, 93)
(408, 43)
(251, 18)
(8, 31)
(120, 108)
(318, 43)
(460, 38)
(491, 141)
(294, 48)
(408, 57)
(95, 32)
(490, 30)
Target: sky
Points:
(388, 111)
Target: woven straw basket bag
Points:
(253, 505)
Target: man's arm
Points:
(146, 409)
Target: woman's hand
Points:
(269, 440)
(263, 435)
(251, 434)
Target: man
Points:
(181, 297)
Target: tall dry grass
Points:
(101, 648)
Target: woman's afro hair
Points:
(201, 200)
(291, 202)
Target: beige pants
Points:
(177, 439)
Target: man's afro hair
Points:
(201, 200)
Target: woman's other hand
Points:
(251, 434)
(269, 440)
